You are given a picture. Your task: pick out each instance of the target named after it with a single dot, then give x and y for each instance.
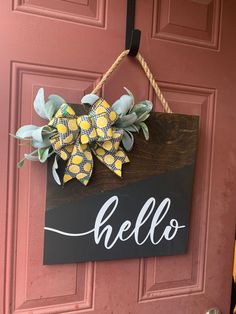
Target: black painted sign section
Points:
(147, 218)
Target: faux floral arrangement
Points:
(76, 138)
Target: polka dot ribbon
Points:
(80, 136)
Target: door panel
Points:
(80, 11)
(196, 23)
(88, 12)
(160, 277)
(65, 46)
(36, 285)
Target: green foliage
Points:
(39, 136)
(25, 131)
(46, 110)
(132, 117)
(21, 163)
(128, 140)
(145, 130)
(126, 120)
(43, 154)
(54, 171)
(89, 99)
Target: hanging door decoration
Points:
(120, 176)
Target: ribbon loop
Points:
(88, 133)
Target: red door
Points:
(65, 46)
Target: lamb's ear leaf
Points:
(43, 154)
(43, 144)
(54, 171)
(131, 95)
(57, 100)
(133, 128)
(37, 134)
(123, 105)
(89, 99)
(143, 117)
(40, 136)
(128, 141)
(50, 109)
(142, 107)
(26, 131)
(48, 130)
(126, 120)
(39, 104)
(145, 130)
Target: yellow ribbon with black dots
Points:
(79, 136)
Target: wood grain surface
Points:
(172, 145)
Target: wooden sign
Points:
(146, 213)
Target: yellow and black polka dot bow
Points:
(80, 136)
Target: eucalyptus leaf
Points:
(128, 141)
(89, 99)
(21, 163)
(145, 130)
(43, 154)
(26, 131)
(39, 104)
(54, 171)
(126, 121)
(123, 105)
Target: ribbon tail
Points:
(114, 161)
(80, 164)
(112, 144)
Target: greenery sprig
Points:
(131, 118)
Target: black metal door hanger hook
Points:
(132, 39)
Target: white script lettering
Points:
(102, 228)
